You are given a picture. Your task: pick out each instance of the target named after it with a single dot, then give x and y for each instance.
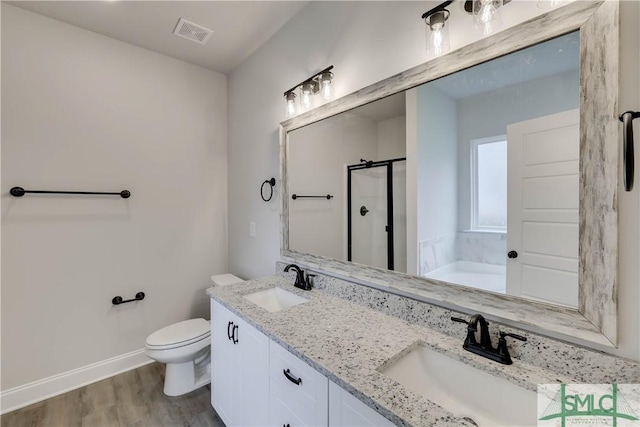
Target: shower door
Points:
(374, 191)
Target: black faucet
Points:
(484, 347)
(301, 282)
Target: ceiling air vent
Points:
(191, 31)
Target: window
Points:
(489, 184)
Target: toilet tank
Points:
(225, 279)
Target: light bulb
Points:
(549, 4)
(326, 86)
(306, 96)
(437, 33)
(290, 104)
(436, 41)
(487, 15)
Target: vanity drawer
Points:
(308, 387)
(284, 411)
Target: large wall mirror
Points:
(483, 180)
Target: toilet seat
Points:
(179, 334)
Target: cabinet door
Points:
(345, 410)
(221, 362)
(284, 411)
(251, 376)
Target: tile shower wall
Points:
(585, 365)
(487, 248)
(436, 253)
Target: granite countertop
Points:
(348, 343)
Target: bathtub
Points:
(490, 277)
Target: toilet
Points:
(185, 347)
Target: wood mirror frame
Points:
(595, 319)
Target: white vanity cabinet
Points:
(298, 393)
(347, 411)
(239, 369)
(255, 382)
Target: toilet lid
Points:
(180, 333)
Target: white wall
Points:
(318, 156)
(437, 183)
(392, 138)
(367, 42)
(84, 112)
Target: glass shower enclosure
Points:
(376, 214)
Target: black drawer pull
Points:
(296, 381)
(229, 329)
(286, 425)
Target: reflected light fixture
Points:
(320, 83)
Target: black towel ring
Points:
(271, 183)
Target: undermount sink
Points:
(275, 299)
(463, 390)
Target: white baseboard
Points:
(36, 391)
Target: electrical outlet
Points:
(252, 229)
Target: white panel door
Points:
(542, 211)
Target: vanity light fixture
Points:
(320, 83)
(487, 14)
(487, 17)
(326, 85)
(307, 90)
(290, 104)
(437, 30)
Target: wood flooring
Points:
(131, 399)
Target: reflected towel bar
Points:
(19, 192)
(297, 196)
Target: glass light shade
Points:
(437, 33)
(290, 104)
(326, 86)
(549, 4)
(487, 15)
(306, 96)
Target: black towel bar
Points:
(118, 300)
(19, 192)
(627, 147)
(297, 196)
